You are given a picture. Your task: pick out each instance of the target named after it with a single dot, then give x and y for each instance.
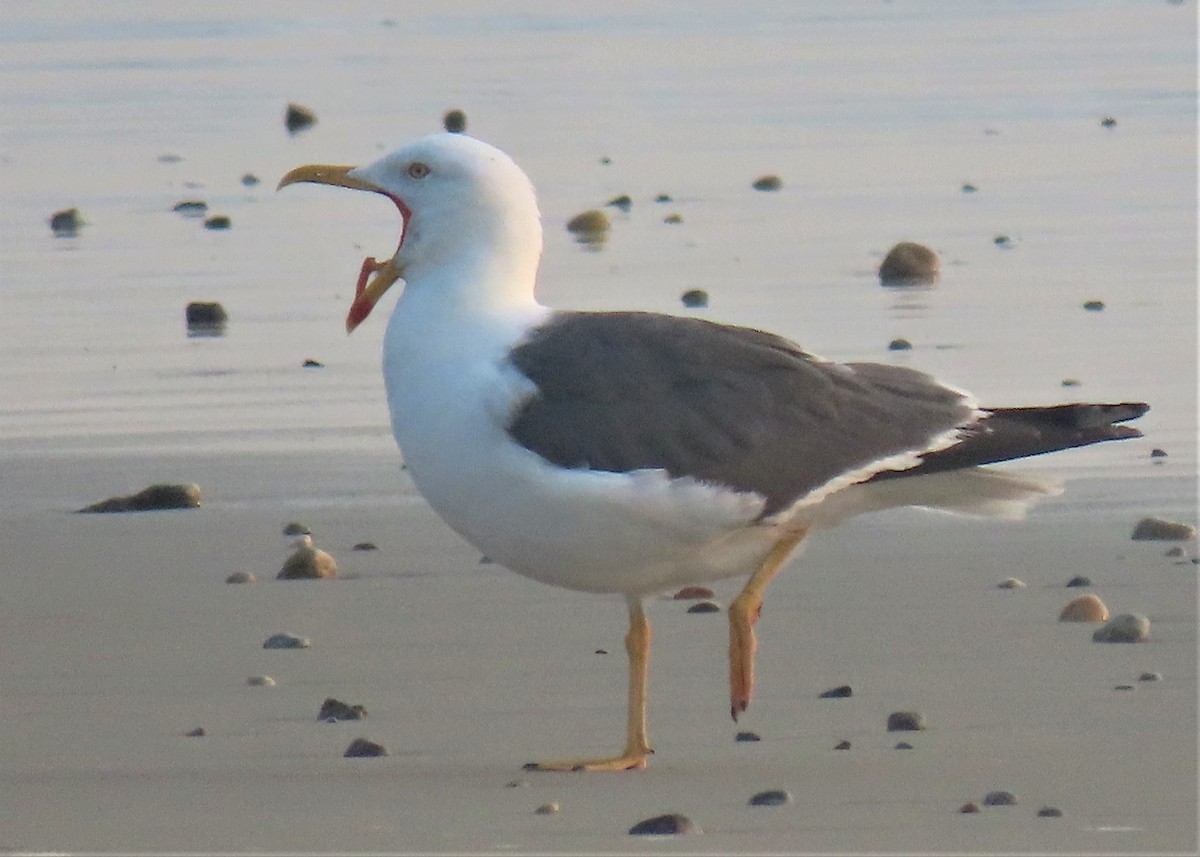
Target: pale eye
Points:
(418, 170)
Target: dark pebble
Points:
(250, 179)
(840, 692)
(205, 317)
(66, 223)
(1049, 812)
(1071, 382)
(903, 745)
(663, 197)
(362, 747)
(486, 560)
(241, 577)
(969, 806)
(1079, 580)
(745, 737)
(590, 228)
(313, 364)
(298, 117)
(1176, 551)
(1158, 453)
(1000, 798)
(704, 607)
(191, 208)
(909, 264)
(1108, 122)
(218, 221)
(335, 709)
(969, 188)
(1157, 529)
(606, 161)
(906, 721)
(1126, 628)
(198, 732)
(768, 183)
(693, 298)
(286, 641)
(1150, 677)
(155, 497)
(842, 745)
(1002, 241)
(1123, 687)
(673, 218)
(622, 202)
(692, 593)
(1093, 306)
(455, 121)
(771, 797)
(899, 345)
(365, 546)
(664, 825)
(601, 651)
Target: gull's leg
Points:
(743, 615)
(637, 644)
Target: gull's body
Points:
(630, 452)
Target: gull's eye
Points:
(418, 170)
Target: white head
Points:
(467, 208)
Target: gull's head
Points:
(465, 205)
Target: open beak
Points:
(374, 278)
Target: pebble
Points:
(365, 546)
(836, 692)
(191, 208)
(205, 317)
(1079, 580)
(663, 197)
(900, 344)
(1126, 628)
(767, 183)
(623, 202)
(454, 121)
(66, 223)
(298, 117)
(747, 737)
(842, 745)
(1123, 687)
(1158, 529)
(906, 721)
(241, 577)
(1150, 677)
(771, 797)
(308, 563)
(1000, 798)
(601, 651)
(312, 364)
(969, 806)
(693, 298)
(363, 747)
(286, 641)
(250, 179)
(1093, 306)
(590, 227)
(1049, 812)
(260, 681)
(1071, 382)
(1108, 122)
(1002, 241)
(969, 188)
(1085, 608)
(664, 825)
(704, 607)
(169, 158)
(1158, 453)
(1011, 583)
(335, 709)
(547, 808)
(691, 593)
(198, 732)
(162, 496)
(903, 745)
(674, 217)
(218, 221)
(1174, 552)
(910, 264)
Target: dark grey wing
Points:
(725, 405)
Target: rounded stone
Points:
(1158, 453)
(1126, 628)
(747, 737)
(156, 497)
(767, 183)
(674, 217)
(663, 197)
(334, 710)
(1158, 529)
(1000, 798)
(694, 298)
(704, 607)
(286, 641)
(1079, 580)
(191, 208)
(842, 745)
(969, 188)
(308, 563)
(454, 121)
(900, 344)
(842, 692)
(771, 797)
(671, 824)
(906, 721)
(1049, 812)
(903, 745)
(297, 117)
(622, 202)
(218, 221)
(205, 315)
(250, 180)
(693, 593)
(363, 748)
(66, 223)
(1002, 241)
(589, 227)
(1011, 583)
(241, 577)
(198, 732)
(1108, 122)
(547, 808)
(969, 807)
(260, 681)
(365, 546)
(1085, 608)
(909, 264)
(1150, 676)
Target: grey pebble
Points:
(1150, 677)
(1079, 580)
(1126, 628)
(1000, 798)
(771, 797)
(903, 745)
(364, 747)
(1049, 812)
(747, 737)
(704, 607)
(1158, 529)
(664, 825)
(906, 721)
(842, 692)
(842, 745)
(286, 641)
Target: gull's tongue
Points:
(369, 289)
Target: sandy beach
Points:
(118, 634)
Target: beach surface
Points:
(118, 634)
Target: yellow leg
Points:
(637, 644)
(743, 615)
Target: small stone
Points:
(365, 546)
(767, 183)
(312, 364)
(486, 560)
(623, 202)
(704, 607)
(1126, 628)
(969, 806)
(298, 117)
(295, 528)
(910, 264)
(906, 721)
(260, 681)
(1085, 608)
(1158, 529)
(334, 710)
(590, 227)
(198, 732)
(1079, 580)
(842, 745)
(692, 593)
(156, 497)
(664, 825)
(250, 179)
(1071, 382)
(1093, 306)
(547, 808)
(363, 747)
(663, 197)
(747, 737)
(205, 317)
(840, 692)
(241, 577)
(218, 221)
(903, 745)
(601, 651)
(1002, 241)
(900, 344)
(969, 188)
(191, 208)
(1049, 812)
(606, 161)
(694, 298)
(169, 158)
(455, 121)
(1011, 583)
(1108, 122)
(676, 217)
(1000, 798)
(1123, 687)
(771, 797)
(66, 223)
(1158, 453)
(308, 562)
(1150, 677)
(286, 641)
